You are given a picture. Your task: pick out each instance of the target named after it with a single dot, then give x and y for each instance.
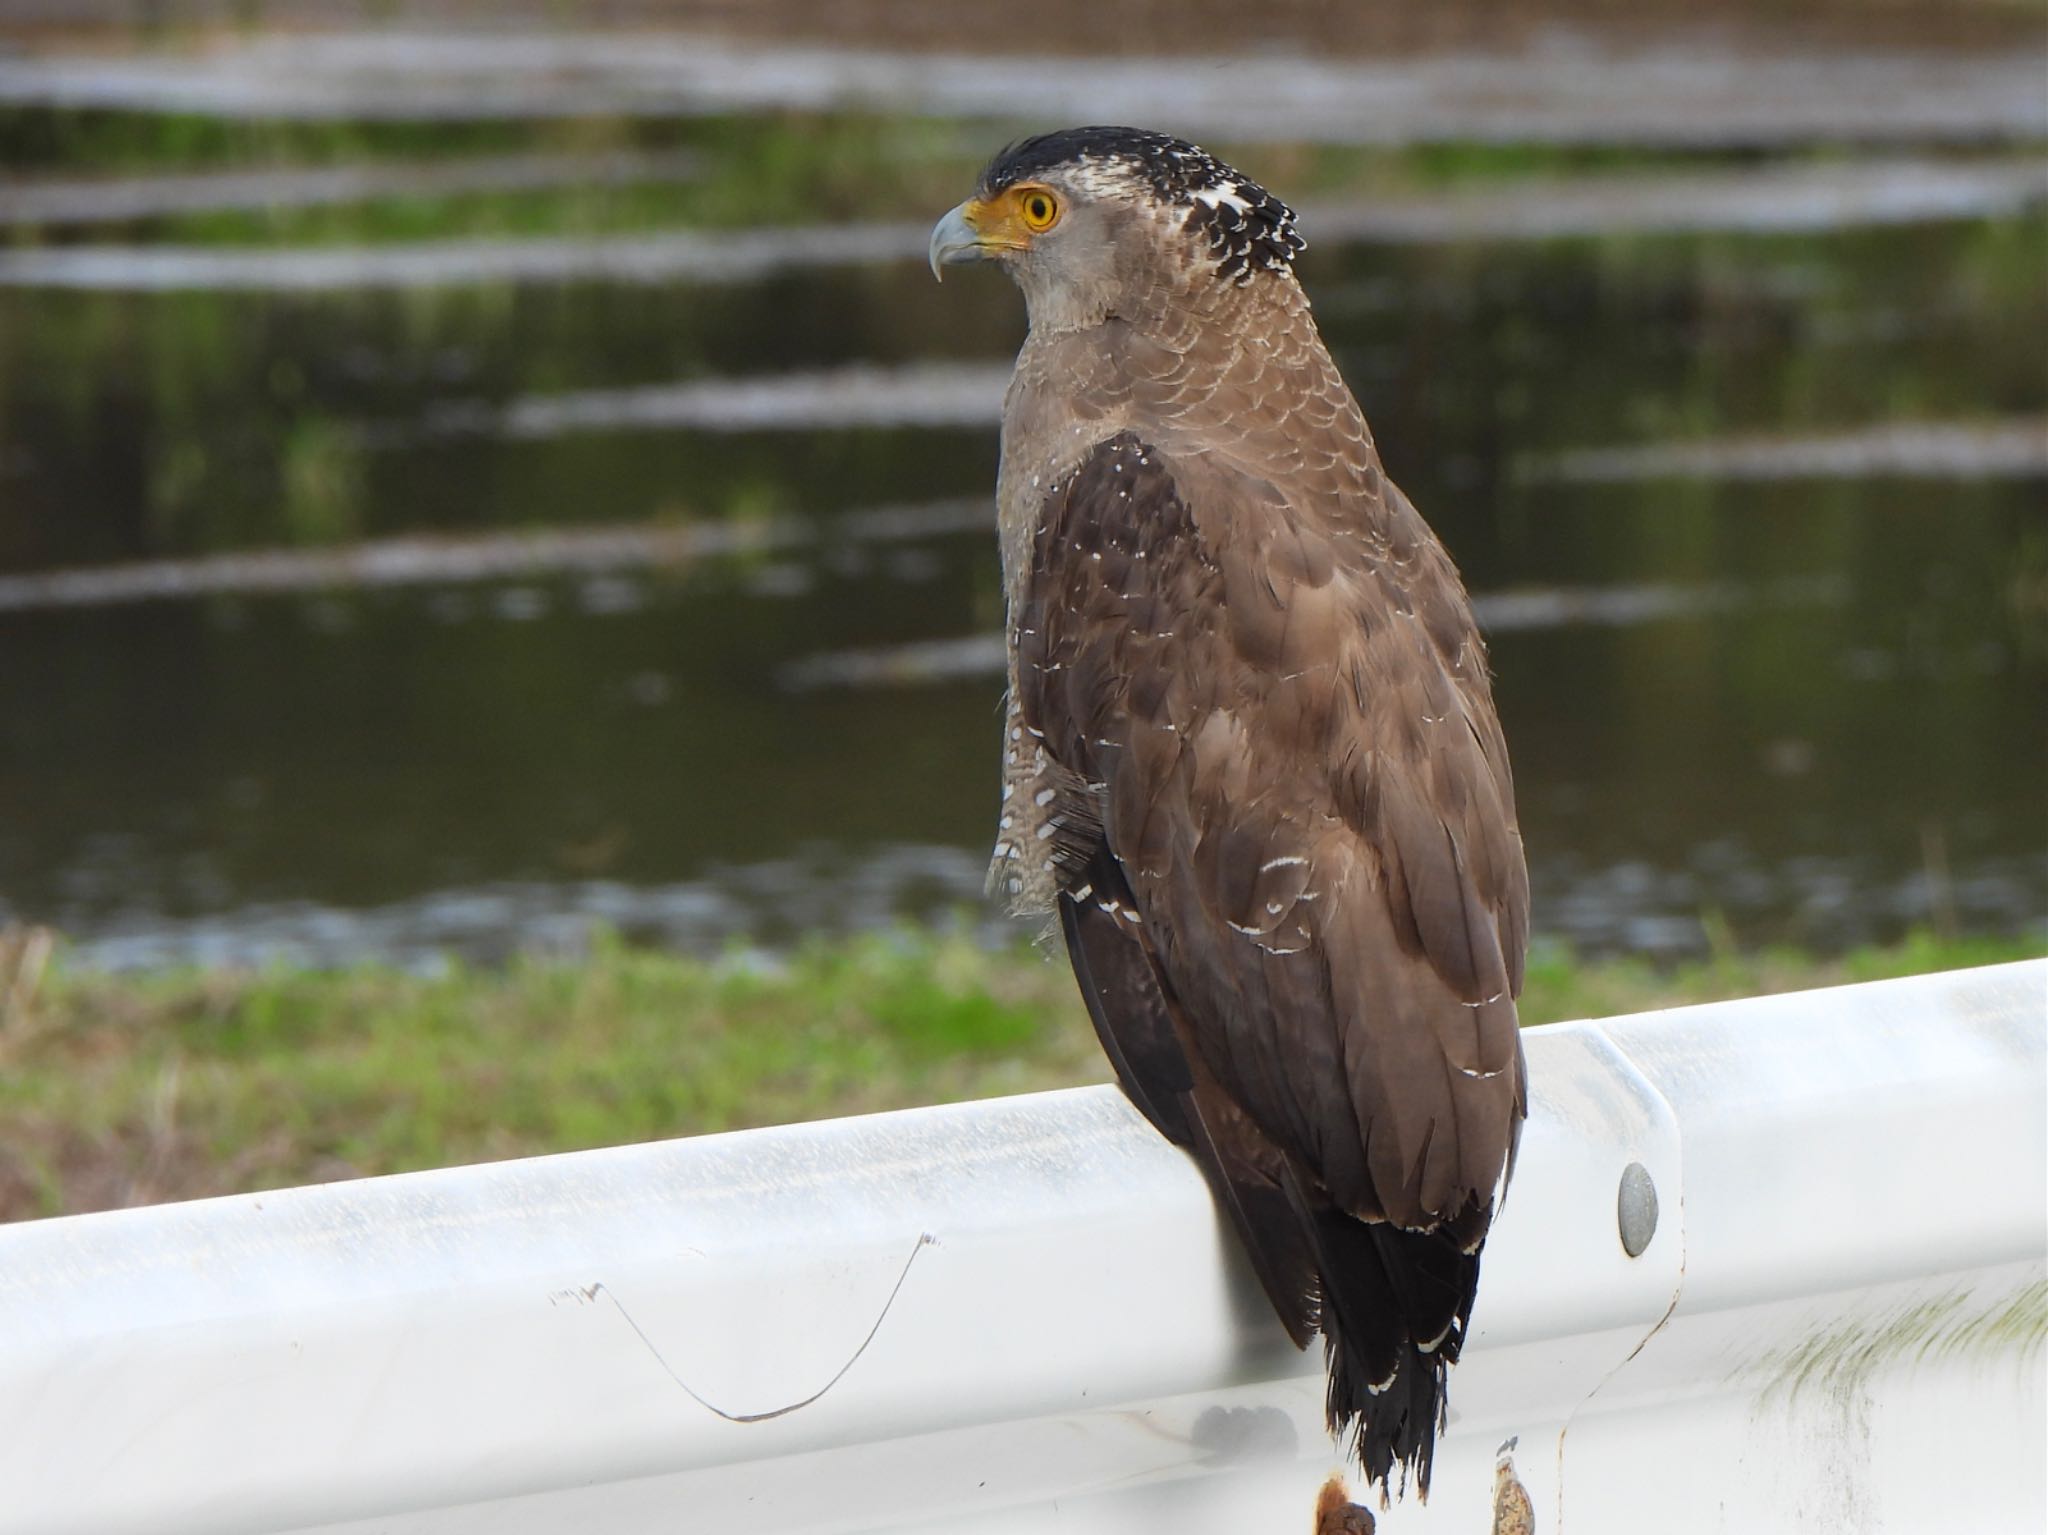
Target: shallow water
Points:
(1697, 86)
(503, 684)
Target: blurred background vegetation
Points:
(497, 602)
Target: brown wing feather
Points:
(1143, 1032)
(1282, 726)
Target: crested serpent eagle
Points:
(1250, 756)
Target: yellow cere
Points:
(1008, 220)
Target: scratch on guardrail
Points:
(591, 1292)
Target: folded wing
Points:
(1279, 814)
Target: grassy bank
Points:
(121, 1090)
(783, 169)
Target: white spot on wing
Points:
(1222, 192)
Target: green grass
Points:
(766, 169)
(117, 1090)
(91, 139)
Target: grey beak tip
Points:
(953, 242)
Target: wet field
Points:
(396, 597)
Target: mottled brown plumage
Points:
(1252, 759)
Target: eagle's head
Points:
(1095, 222)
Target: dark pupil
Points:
(1038, 208)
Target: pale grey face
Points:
(1077, 238)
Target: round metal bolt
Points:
(1636, 1209)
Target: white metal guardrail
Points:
(1021, 1315)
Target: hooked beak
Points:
(955, 242)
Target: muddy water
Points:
(1799, 687)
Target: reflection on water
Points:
(575, 662)
(1780, 198)
(426, 559)
(914, 394)
(673, 256)
(1948, 450)
(1577, 86)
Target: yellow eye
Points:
(1039, 209)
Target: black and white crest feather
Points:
(1248, 228)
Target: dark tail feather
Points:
(1124, 997)
(1134, 1018)
(1395, 1304)
(1392, 1304)
(1282, 1254)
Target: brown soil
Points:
(1357, 28)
